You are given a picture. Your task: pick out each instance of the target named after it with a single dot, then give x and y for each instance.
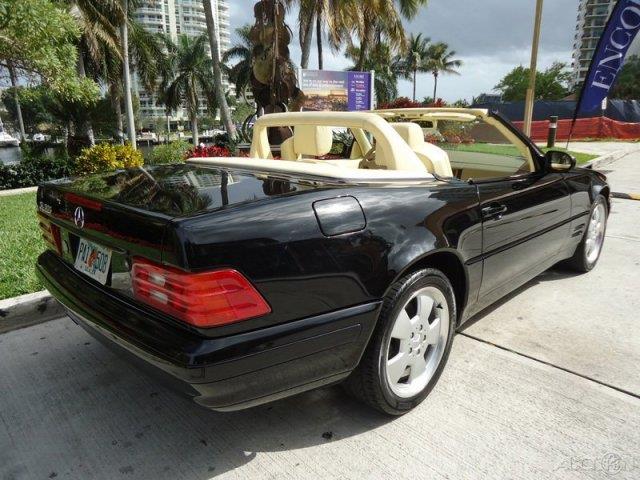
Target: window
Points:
(478, 150)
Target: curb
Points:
(28, 310)
(626, 196)
(606, 159)
(17, 191)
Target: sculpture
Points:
(273, 79)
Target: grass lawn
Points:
(497, 149)
(580, 157)
(20, 245)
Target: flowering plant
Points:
(210, 151)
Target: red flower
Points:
(208, 151)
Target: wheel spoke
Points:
(425, 306)
(402, 327)
(433, 331)
(417, 341)
(418, 365)
(397, 366)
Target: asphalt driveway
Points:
(543, 385)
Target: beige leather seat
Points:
(307, 140)
(434, 158)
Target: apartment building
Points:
(177, 17)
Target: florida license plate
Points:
(93, 260)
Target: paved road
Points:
(548, 387)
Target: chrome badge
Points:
(78, 217)
(45, 208)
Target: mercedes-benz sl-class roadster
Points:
(351, 252)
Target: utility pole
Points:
(528, 105)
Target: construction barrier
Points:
(585, 128)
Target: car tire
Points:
(589, 249)
(417, 320)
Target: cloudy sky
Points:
(490, 37)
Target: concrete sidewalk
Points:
(71, 409)
(602, 148)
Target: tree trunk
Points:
(435, 86)
(212, 31)
(306, 36)
(14, 84)
(194, 129)
(128, 102)
(115, 100)
(364, 47)
(415, 71)
(85, 128)
(319, 40)
(120, 123)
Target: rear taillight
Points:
(50, 233)
(207, 299)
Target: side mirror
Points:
(559, 161)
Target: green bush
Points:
(105, 157)
(34, 169)
(173, 152)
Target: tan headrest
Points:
(410, 133)
(312, 140)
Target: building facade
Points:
(590, 22)
(173, 18)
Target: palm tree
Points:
(240, 73)
(216, 65)
(321, 15)
(145, 51)
(188, 72)
(96, 22)
(413, 59)
(372, 21)
(441, 60)
(386, 66)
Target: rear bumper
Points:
(223, 373)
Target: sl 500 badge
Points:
(44, 208)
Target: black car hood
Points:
(182, 189)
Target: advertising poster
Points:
(337, 91)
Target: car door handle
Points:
(495, 211)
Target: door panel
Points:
(525, 224)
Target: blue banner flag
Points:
(608, 58)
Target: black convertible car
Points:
(351, 252)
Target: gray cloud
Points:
(490, 36)
(491, 27)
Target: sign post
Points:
(531, 91)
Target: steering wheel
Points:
(368, 158)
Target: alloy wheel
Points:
(595, 233)
(417, 342)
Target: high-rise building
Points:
(590, 23)
(178, 17)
